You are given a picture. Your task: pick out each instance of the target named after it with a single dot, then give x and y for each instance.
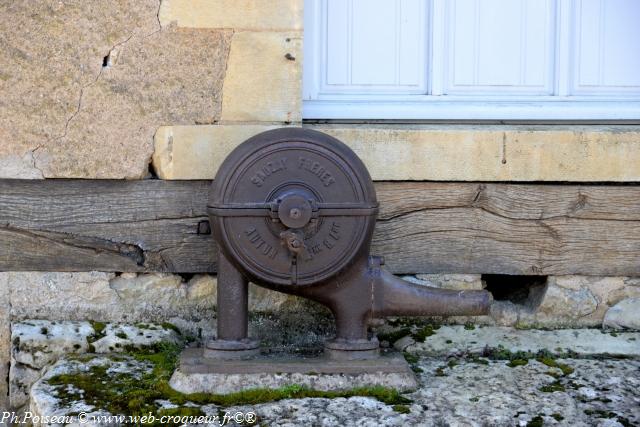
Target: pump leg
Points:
(232, 341)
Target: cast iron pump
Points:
(294, 210)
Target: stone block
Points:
(623, 315)
(88, 86)
(263, 81)
(437, 152)
(492, 153)
(235, 14)
(263, 300)
(38, 343)
(14, 166)
(196, 152)
(62, 296)
(564, 306)
(110, 298)
(21, 378)
(458, 339)
(118, 336)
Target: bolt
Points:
(295, 213)
(204, 227)
(295, 243)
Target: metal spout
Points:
(396, 297)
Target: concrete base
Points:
(197, 374)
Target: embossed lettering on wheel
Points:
(294, 209)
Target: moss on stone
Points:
(403, 409)
(501, 353)
(554, 374)
(410, 358)
(553, 387)
(536, 421)
(566, 369)
(146, 326)
(517, 362)
(601, 413)
(98, 328)
(98, 332)
(520, 358)
(477, 360)
(423, 333)
(413, 322)
(171, 327)
(418, 329)
(393, 336)
(126, 394)
(440, 372)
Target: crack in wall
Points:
(86, 86)
(108, 64)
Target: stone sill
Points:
(443, 152)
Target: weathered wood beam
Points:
(153, 225)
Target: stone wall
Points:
(86, 87)
(545, 302)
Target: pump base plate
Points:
(197, 374)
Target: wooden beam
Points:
(154, 225)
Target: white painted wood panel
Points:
(607, 47)
(472, 59)
(500, 46)
(374, 46)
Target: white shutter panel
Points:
(374, 46)
(500, 46)
(607, 47)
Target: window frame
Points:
(436, 106)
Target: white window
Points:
(472, 59)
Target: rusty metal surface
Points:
(192, 362)
(294, 210)
(299, 181)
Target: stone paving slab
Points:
(597, 393)
(584, 342)
(452, 392)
